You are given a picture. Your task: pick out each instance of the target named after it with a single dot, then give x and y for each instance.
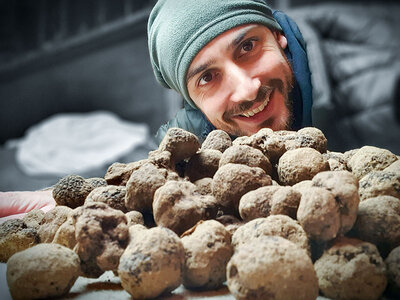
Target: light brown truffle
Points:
(152, 263)
(33, 218)
(393, 271)
(351, 269)
(112, 195)
(16, 236)
(207, 252)
(102, 235)
(203, 164)
(134, 217)
(369, 158)
(51, 221)
(269, 200)
(336, 160)
(119, 173)
(314, 138)
(217, 140)
(230, 222)
(393, 167)
(204, 186)
(277, 225)
(65, 235)
(246, 155)
(232, 181)
(71, 191)
(344, 186)
(43, 271)
(143, 183)
(377, 183)
(378, 222)
(300, 164)
(271, 267)
(181, 143)
(178, 206)
(318, 213)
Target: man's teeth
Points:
(251, 113)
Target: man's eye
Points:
(206, 78)
(247, 46)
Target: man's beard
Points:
(232, 127)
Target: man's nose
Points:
(243, 86)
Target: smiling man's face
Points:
(241, 80)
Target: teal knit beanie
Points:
(178, 29)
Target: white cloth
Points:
(73, 143)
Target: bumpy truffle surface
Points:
(33, 218)
(112, 195)
(246, 155)
(379, 183)
(181, 143)
(351, 269)
(204, 186)
(65, 234)
(43, 271)
(271, 267)
(119, 173)
(394, 167)
(232, 181)
(278, 225)
(336, 160)
(314, 138)
(102, 235)
(51, 221)
(393, 270)
(203, 164)
(217, 140)
(378, 222)
(207, 252)
(152, 263)
(72, 191)
(178, 206)
(269, 200)
(369, 158)
(16, 236)
(143, 183)
(344, 186)
(318, 213)
(300, 164)
(134, 217)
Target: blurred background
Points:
(78, 57)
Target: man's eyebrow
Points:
(199, 69)
(236, 41)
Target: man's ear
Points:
(282, 41)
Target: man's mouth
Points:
(251, 112)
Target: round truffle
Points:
(181, 143)
(246, 155)
(351, 269)
(378, 222)
(65, 234)
(207, 252)
(16, 236)
(377, 183)
(51, 221)
(204, 186)
(178, 206)
(271, 267)
(217, 140)
(72, 191)
(300, 164)
(203, 164)
(232, 181)
(318, 213)
(369, 158)
(119, 173)
(43, 271)
(112, 195)
(277, 225)
(393, 271)
(152, 263)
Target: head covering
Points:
(179, 29)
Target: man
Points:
(238, 65)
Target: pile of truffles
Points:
(274, 215)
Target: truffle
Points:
(134, 217)
(112, 195)
(51, 221)
(217, 140)
(393, 271)
(204, 186)
(207, 252)
(351, 269)
(152, 263)
(43, 271)
(119, 173)
(300, 164)
(232, 181)
(178, 206)
(203, 164)
(271, 267)
(377, 183)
